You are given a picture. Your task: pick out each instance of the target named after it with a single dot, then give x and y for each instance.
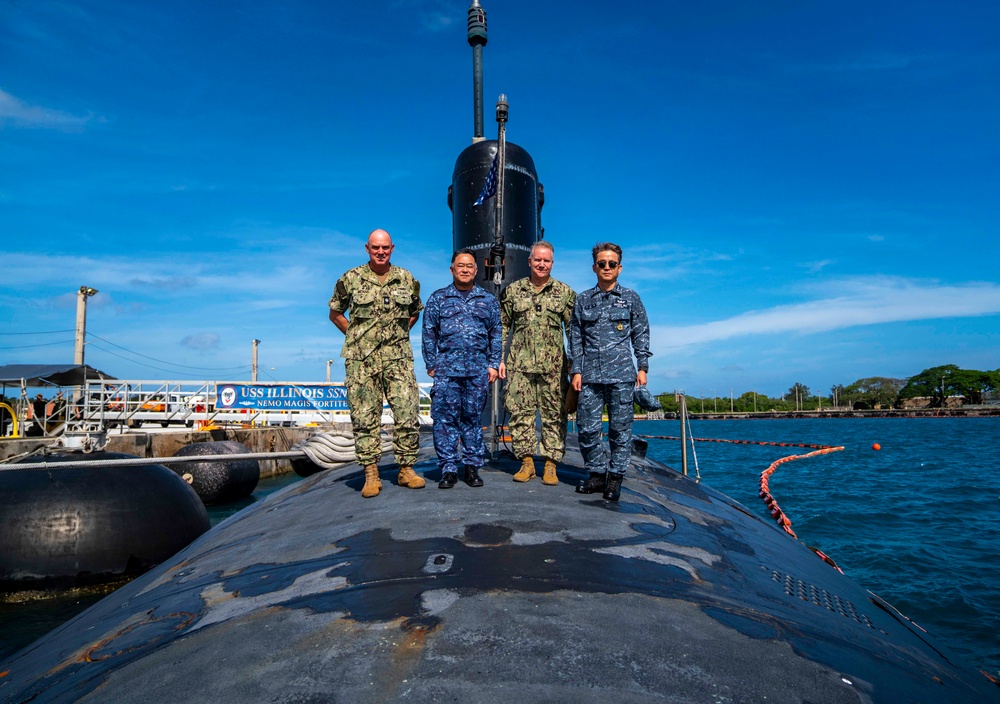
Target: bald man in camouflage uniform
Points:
(535, 312)
(384, 303)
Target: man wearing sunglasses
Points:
(609, 326)
(384, 303)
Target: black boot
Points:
(613, 489)
(472, 477)
(593, 485)
(448, 480)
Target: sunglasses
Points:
(607, 265)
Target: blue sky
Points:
(805, 191)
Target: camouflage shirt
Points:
(461, 333)
(607, 328)
(379, 313)
(534, 322)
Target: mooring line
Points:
(780, 517)
(741, 442)
(772, 505)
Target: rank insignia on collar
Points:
(385, 300)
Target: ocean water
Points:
(917, 522)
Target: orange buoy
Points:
(876, 447)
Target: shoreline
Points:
(967, 412)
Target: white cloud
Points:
(173, 283)
(201, 341)
(817, 266)
(21, 114)
(862, 302)
(657, 262)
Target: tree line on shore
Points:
(936, 385)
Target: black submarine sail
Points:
(496, 203)
(506, 593)
(500, 228)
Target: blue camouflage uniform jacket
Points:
(461, 335)
(602, 326)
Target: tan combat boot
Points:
(373, 485)
(409, 478)
(527, 470)
(549, 474)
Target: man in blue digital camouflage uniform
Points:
(608, 326)
(461, 342)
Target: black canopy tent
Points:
(50, 374)
(24, 376)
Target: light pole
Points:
(82, 295)
(328, 363)
(253, 360)
(715, 401)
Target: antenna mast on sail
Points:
(477, 40)
(497, 253)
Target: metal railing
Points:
(133, 403)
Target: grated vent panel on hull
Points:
(795, 587)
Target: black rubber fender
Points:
(219, 481)
(87, 525)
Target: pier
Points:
(154, 444)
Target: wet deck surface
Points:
(509, 592)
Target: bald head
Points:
(379, 248)
(380, 236)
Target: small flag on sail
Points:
(490, 187)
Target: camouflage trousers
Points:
(527, 393)
(457, 404)
(366, 387)
(618, 398)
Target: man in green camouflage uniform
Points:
(535, 312)
(384, 303)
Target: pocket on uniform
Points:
(449, 322)
(621, 319)
(553, 319)
(522, 305)
(362, 304)
(403, 300)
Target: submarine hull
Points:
(507, 592)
